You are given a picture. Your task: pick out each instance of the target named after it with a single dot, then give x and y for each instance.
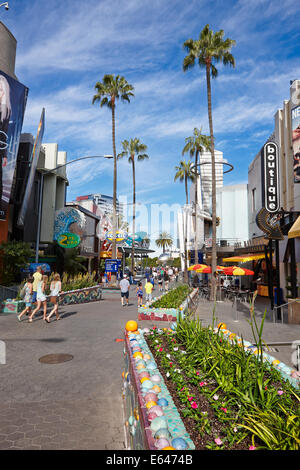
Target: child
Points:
(148, 289)
(27, 298)
(41, 298)
(55, 288)
(139, 293)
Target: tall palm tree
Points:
(164, 240)
(134, 150)
(184, 172)
(195, 145)
(210, 48)
(109, 91)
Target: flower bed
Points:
(200, 388)
(168, 307)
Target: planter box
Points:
(164, 314)
(139, 429)
(12, 306)
(79, 296)
(294, 311)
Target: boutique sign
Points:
(271, 177)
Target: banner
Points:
(13, 97)
(295, 117)
(34, 161)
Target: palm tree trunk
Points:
(133, 213)
(196, 207)
(114, 225)
(213, 177)
(185, 220)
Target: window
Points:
(254, 200)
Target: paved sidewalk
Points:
(73, 405)
(237, 321)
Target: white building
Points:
(105, 203)
(232, 209)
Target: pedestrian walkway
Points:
(237, 320)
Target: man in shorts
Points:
(124, 286)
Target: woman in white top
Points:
(55, 289)
(41, 298)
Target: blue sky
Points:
(65, 47)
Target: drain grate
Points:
(55, 358)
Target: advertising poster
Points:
(13, 97)
(33, 162)
(296, 142)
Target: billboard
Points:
(295, 121)
(271, 179)
(33, 162)
(13, 97)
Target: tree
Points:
(68, 260)
(184, 172)
(109, 91)
(134, 150)
(210, 48)
(14, 255)
(195, 145)
(164, 240)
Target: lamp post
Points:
(4, 4)
(38, 234)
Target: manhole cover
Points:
(56, 358)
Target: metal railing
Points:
(8, 292)
(282, 312)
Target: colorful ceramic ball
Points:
(168, 448)
(151, 415)
(156, 389)
(147, 385)
(179, 443)
(140, 366)
(147, 357)
(150, 404)
(151, 366)
(137, 355)
(141, 371)
(222, 326)
(155, 378)
(161, 443)
(144, 374)
(158, 410)
(162, 432)
(143, 379)
(150, 396)
(159, 423)
(131, 325)
(162, 402)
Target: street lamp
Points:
(5, 4)
(41, 195)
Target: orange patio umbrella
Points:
(237, 271)
(195, 267)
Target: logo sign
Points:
(295, 119)
(120, 236)
(271, 177)
(265, 223)
(68, 240)
(112, 265)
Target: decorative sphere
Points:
(147, 385)
(155, 378)
(222, 326)
(179, 443)
(131, 325)
(168, 448)
(151, 415)
(150, 396)
(156, 389)
(161, 443)
(147, 357)
(143, 379)
(162, 402)
(140, 366)
(158, 410)
(151, 366)
(144, 374)
(159, 423)
(141, 371)
(138, 355)
(150, 404)
(162, 432)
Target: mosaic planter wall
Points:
(286, 372)
(152, 421)
(79, 296)
(12, 306)
(164, 314)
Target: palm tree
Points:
(108, 92)
(195, 145)
(164, 240)
(184, 172)
(133, 148)
(210, 47)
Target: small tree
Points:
(14, 256)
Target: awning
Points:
(244, 258)
(294, 231)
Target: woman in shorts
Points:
(27, 298)
(41, 298)
(55, 288)
(139, 293)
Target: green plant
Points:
(174, 298)
(15, 256)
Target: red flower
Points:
(194, 405)
(171, 364)
(160, 349)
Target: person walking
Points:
(124, 286)
(139, 293)
(166, 281)
(41, 298)
(55, 289)
(148, 289)
(160, 282)
(37, 277)
(27, 298)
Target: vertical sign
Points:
(295, 118)
(34, 161)
(13, 97)
(271, 180)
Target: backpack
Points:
(23, 292)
